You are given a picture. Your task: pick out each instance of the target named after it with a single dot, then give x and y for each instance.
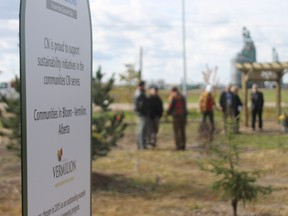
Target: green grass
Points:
(259, 141)
(125, 95)
(195, 115)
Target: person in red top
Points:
(177, 108)
(206, 105)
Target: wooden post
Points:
(278, 94)
(245, 98)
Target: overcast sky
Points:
(121, 27)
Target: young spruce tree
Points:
(10, 119)
(235, 183)
(107, 126)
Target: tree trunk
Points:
(234, 205)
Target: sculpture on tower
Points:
(246, 55)
(248, 50)
(275, 56)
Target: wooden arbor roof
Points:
(262, 72)
(275, 66)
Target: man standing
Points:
(225, 102)
(154, 115)
(177, 108)
(236, 108)
(257, 103)
(141, 109)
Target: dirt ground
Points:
(10, 181)
(155, 182)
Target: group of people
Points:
(149, 109)
(230, 104)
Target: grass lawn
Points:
(125, 95)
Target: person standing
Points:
(236, 108)
(177, 108)
(154, 115)
(257, 103)
(225, 102)
(141, 109)
(206, 105)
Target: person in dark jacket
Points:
(141, 109)
(257, 103)
(177, 108)
(155, 113)
(236, 108)
(225, 102)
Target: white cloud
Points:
(9, 66)
(9, 49)
(213, 30)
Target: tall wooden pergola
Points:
(261, 72)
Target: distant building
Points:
(247, 55)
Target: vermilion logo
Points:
(60, 154)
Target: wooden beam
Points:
(247, 66)
(278, 95)
(245, 98)
(258, 67)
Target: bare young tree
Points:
(210, 76)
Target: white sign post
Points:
(56, 71)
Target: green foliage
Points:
(107, 127)
(11, 120)
(130, 76)
(235, 183)
(238, 185)
(107, 130)
(101, 92)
